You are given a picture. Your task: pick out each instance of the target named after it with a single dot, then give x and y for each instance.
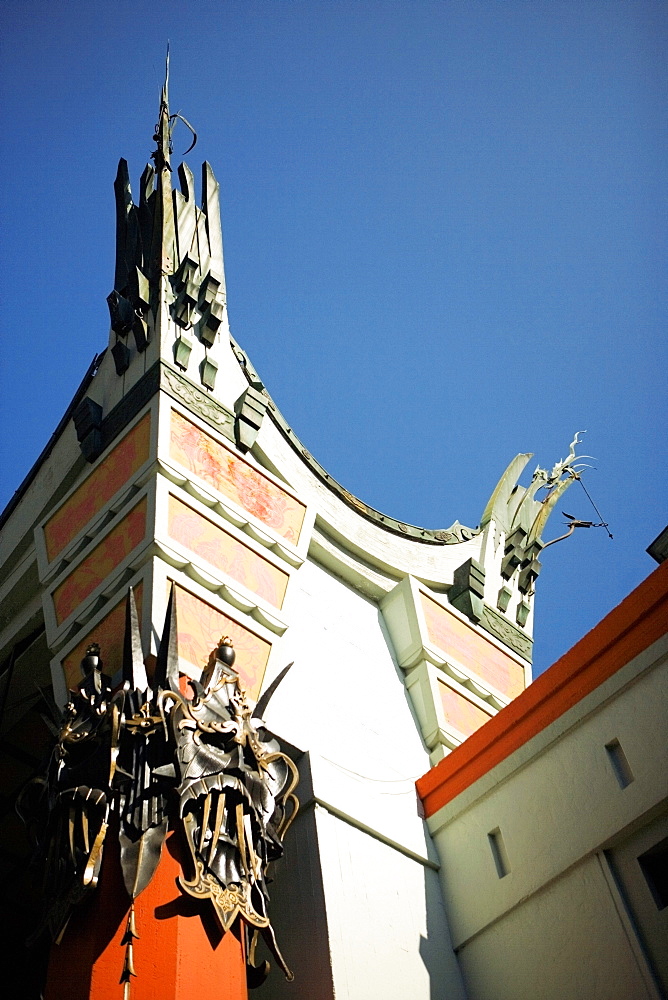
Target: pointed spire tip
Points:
(162, 134)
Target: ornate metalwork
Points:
(67, 811)
(111, 759)
(119, 756)
(236, 796)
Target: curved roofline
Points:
(453, 535)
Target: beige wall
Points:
(565, 920)
(565, 942)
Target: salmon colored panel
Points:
(104, 558)
(224, 552)
(117, 468)
(108, 634)
(200, 629)
(472, 650)
(460, 712)
(235, 478)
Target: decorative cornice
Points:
(160, 376)
(219, 585)
(202, 404)
(468, 589)
(463, 679)
(501, 628)
(240, 520)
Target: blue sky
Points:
(445, 240)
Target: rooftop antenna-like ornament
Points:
(163, 136)
(568, 467)
(165, 126)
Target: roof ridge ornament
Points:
(169, 256)
(162, 135)
(165, 127)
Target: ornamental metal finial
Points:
(165, 126)
(162, 134)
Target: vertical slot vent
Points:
(619, 763)
(499, 853)
(654, 866)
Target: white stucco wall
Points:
(345, 703)
(564, 943)
(556, 925)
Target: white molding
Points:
(215, 581)
(232, 513)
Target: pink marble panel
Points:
(235, 478)
(200, 629)
(225, 552)
(471, 649)
(460, 712)
(103, 482)
(104, 558)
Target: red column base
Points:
(180, 954)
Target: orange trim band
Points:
(624, 633)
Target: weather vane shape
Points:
(165, 126)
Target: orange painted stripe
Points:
(624, 633)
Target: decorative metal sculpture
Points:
(236, 797)
(67, 811)
(123, 753)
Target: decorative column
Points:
(179, 949)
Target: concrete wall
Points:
(559, 922)
(360, 854)
(566, 941)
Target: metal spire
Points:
(163, 249)
(162, 129)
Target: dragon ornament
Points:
(145, 758)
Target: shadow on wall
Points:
(445, 978)
(440, 961)
(297, 905)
